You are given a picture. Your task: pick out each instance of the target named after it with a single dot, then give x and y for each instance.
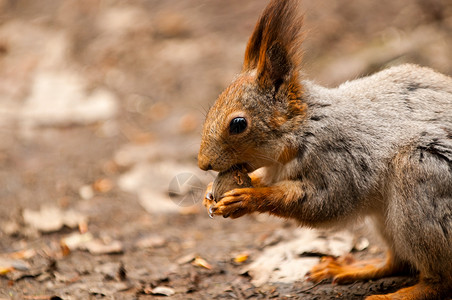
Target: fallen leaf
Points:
(62, 98)
(100, 247)
(23, 254)
(65, 250)
(151, 241)
(8, 264)
(186, 259)
(87, 242)
(76, 240)
(163, 290)
(51, 218)
(200, 262)
(289, 261)
(241, 258)
(103, 185)
(4, 271)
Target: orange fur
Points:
(421, 291)
(287, 155)
(346, 270)
(277, 24)
(276, 200)
(296, 107)
(274, 48)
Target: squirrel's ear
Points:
(276, 67)
(274, 48)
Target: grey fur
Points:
(380, 146)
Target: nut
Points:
(236, 177)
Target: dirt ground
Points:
(101, 106)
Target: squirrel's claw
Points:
(208, 200)
(209, 196)
(234, 204)
(210, 211)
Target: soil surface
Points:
(101, 108)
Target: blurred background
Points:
(101, 107)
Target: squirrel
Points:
(377, 147)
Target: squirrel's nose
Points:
(204, 163)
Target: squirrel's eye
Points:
(237, 125)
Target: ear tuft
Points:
(274, 48)
(275, 67)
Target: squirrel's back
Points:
(417, 93)
(399, 103)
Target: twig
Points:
(311, 287)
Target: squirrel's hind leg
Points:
(345, 269)
(419, 219)
(424, 290)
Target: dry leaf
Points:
(103, 185)
(200, 262)
(87, 242)
(288, 261)
(99, 247)
(51, 218)
(7, 265)
(76, 240)
(151, 241)
(61, 98)
(163, 290)
(186, 259)
(65, 250)
(4, 271)
(23, 254)
(241, 258)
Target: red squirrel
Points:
(377, 147)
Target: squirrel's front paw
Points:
(234, 204)
(208, 200)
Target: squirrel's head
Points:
(251, 121)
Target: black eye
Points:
(237, 125)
